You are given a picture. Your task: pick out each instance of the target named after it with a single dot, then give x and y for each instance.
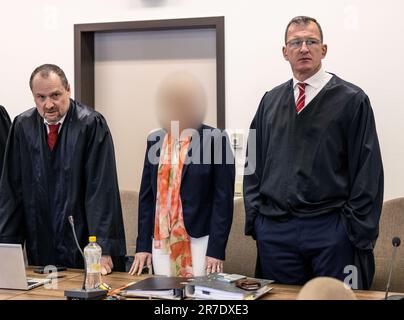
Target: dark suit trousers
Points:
(295, 250)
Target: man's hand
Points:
(106, 265)
(142, 259)
(213, 265)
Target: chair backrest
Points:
(241, 251)
(391, 225)
(129, 200)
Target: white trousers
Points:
(199, 247)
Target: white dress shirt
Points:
(59, 122)
(199, 247)
(314, 85)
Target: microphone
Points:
(83, 294)
(71, 221)
(396, 241)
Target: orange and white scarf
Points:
(169, 230)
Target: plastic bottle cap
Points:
(92, 239)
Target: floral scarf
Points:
(169, 231)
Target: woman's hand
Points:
(213, 265)
(142, 259)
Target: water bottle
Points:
(92, 253)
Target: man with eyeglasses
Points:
(314, 201)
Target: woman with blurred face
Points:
(185, 204)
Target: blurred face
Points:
(304, 50)
(52, 99)
(181, 98)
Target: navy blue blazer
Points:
(207, 190)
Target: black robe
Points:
(41, 188)
(326, 159)
(4, 129)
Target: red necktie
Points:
(302, 97)
(53, 135)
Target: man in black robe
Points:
(314, 201)
(59, 162)
(4, 128)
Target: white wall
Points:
(364, 37)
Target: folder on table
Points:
(210, 288)
(171, 288)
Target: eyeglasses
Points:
(297, 43)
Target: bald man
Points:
(325, 288)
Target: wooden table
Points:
(73, 280)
